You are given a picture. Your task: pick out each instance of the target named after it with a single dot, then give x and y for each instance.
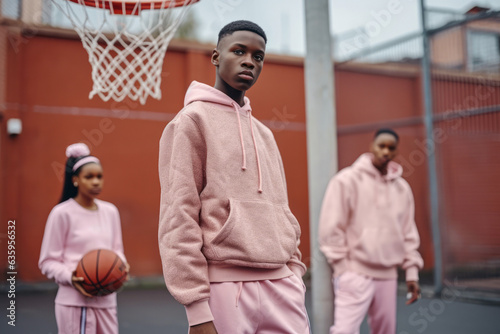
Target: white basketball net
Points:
(125, 51)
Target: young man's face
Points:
(239, 58)
(384, 148)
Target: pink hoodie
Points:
(367, 222)
(224, 212)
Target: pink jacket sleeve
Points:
(51, 254)
(332, 224)
(181, 168)
(413, 260)
(117, 235)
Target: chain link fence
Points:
(466, 106)
(465, 86)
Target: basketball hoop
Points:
(126, 42)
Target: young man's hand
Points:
(127, 270)
(205, 328)
(413, 292)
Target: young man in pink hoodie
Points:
(228, 240)
(367, 229)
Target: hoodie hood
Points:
(198, 91)
(364, 163)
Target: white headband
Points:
(84, 161)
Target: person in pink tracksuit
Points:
(77, 225)
(228, 240)
(367, 229)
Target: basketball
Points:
(103, 270)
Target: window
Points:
(483, 49)
(11, 9)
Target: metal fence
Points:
(466, 108)
(464, 53)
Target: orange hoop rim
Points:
(125, 7)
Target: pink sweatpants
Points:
(263, 307)
(355, 295)
(86, 320)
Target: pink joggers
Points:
(260, 307)
(86, 320)
(355, 295)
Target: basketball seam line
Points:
(88, 276)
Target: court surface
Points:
(153, 310)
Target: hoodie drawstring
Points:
(244, 163)
(240, 288)
(256, 154)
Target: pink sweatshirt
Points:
(224, 212)
(367, 222)
(70, 232)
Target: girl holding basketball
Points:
(77, 225)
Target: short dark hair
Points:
(240, 25)
(386, 130)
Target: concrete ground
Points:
(152, 310)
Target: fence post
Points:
(321, 148)
(431, 153)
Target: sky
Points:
(283, 20)
(378, 21)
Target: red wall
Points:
(469, 147)
(48, 82)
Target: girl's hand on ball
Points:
(77, 284)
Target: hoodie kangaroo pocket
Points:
(380, 247)
(256, 234)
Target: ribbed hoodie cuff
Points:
(412, 274)
(66, 278)
(199, 313)
(297, 270)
